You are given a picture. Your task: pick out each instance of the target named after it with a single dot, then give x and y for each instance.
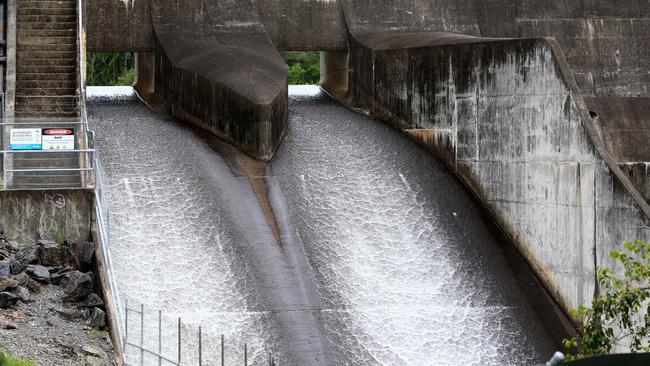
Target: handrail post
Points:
(142, 334)
(179, 341)
(159, 337)
(222, 352)
(126, 322)
(200, 348)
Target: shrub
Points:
(7, 360)
(620, 315)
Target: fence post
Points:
(179, 341)
(245, 354)
(126, 322)
(159, 338)
(222, 352)
(200, 348)
(142, 334)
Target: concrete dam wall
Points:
(504, 117)
(549, 134)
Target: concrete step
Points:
(44, 160)
(45, 179)
(45, 4)
(46, 76)
(48, 18)
(62, 68)
(25, 55)
(45, 84)
(46, 40)
(23, 11)
(22, 33)
(52, 114)
(69, 48)
(69, 60)
(46, 26)
(46, 91)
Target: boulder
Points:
(23, 294)
(60, 277)
(7, 299)
(92, 300)
(83, 254)
(39, 273)
(34, 287)
(73, 314)
(50, 254)
(5, 268)
(43, 236)
(23, 258)
(78, 286)
(22, 279)
(96, 352)
(97, 318)
(7, 283)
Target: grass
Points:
(7, 360)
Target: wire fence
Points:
(151, 339)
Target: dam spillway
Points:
(385, 258)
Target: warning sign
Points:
(58, 139)
(25, 139)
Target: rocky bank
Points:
(50, 312)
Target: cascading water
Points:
(385, 258)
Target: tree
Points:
(622, 312)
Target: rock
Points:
(22, 279)
(97, 318)
(92, 300)
(23, 258)
(71, 314)
(60, 276)
(34, 287)
(7, 283)
(67, 349)
(82, 254)
(39, 273)
(43, 236)
(6, 324)
(5, 268)
(2, 229)
(78, 287)
(50, 254)
(92, 351)
(23, 294)
(4, 254)
(96, 361)
(7, 299)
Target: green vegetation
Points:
(116, 68)
(110, 69)
(621, 313)
(60, 239)
(95, 333)
(304, 67)
(7, 360)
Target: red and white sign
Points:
(58, 139)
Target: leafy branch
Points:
(622, 312)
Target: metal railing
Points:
(83, 164)
(147, 356)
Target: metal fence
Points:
(138, 353)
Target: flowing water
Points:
(385, 258)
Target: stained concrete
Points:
(507, 118)
(27, 213)
(216, 67)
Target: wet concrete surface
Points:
(386, 259)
